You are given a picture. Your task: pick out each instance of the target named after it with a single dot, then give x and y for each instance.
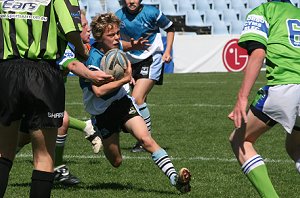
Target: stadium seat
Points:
(239, 4)
(168, 8)
(295, 2)
(112, 5)
(83, 4)
(237, 27)
(193, 18)
(94, 8)
(203, 5)
(184, 6)
(230, 15)
(219, 28)
(254, 3)
(244, 14)
(212, 15)
(221, 5)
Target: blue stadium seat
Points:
(168, 8)
(239, 4)
(112, 5)
(94, 8)
(83, 4)
(230, 15)
(219, 28)
(212, 15)
(193, 18)
(254, 3)
(221, 5)
(184, 6)
(203, 5)
(244, 14)
(237, 27)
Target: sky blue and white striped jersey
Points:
(145, 24)
(93, 104)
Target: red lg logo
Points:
(234, 57)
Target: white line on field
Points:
(167, 105)
(148, 158)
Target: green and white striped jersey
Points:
(29, 28)
(277, 26)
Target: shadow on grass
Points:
(112, 186)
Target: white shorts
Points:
(282, 105)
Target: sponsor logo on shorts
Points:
(145, 70)
(56, 115)
(132, 111)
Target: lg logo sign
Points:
(234, 57)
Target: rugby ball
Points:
(114, 62)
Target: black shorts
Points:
(32, 91)
(115, 116)
(148, 68)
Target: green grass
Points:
(189, 119)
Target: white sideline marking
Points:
(168, 105)
(27, 155)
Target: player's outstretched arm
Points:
(113, 85)
(239, 114)
(97, 77)
(140, 44)
(75, 38)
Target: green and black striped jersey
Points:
(29, 28)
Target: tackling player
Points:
(271, 32)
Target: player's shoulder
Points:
(95, 56)
(149, 9)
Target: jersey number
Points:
(293, 26)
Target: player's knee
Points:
(147, 141)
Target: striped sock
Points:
(59, 149)
(256, 171)
(162, 160)
(146, 115)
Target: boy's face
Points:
(132, 6)
(111, 38)
(86, 30)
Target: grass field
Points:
(189, 119)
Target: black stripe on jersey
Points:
(75, 14)
(45, 31)
(12, 35)
(30, 36)
(1, 41)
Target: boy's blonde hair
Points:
(103, 21)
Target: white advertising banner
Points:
(208, 53)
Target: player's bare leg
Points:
(140, 91)
(253, 166)
(160, 157)
(43, 147)
(8, 144)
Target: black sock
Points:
(5, 166)
(41, 184)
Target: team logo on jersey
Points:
(256, 24)
(69, 54)
(23, 5)
(234, 57)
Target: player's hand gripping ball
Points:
(114, 62)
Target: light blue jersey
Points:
(97, 105)
(145, 24)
